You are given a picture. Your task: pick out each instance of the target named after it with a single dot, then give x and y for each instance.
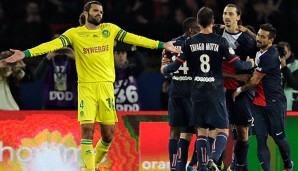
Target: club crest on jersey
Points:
(105, 33)
(231, 51)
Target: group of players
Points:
(231, 77)
(197, 95)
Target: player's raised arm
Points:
(242, 65)
(142, 41)
(38, 50)
(232, 58)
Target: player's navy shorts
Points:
(240, 111)
(179, 109)
(209, 114)
(269, 120)
(188, 130)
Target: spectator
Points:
(7, 101)
(33, 25)
(126, 88)
(181, 14)
(193, 6)
(31, 30)
(58, 71)
(61, 13)
(289, 65)
(266, 10)
(166, 22)
(5, 31)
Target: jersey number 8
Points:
(205, 66)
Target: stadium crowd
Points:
(27, 23)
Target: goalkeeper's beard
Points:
(93, 20)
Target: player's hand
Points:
(242, 28)
(17, 55)
(242, 77)
(251, 60)
(170, 47)
(163, 53)
(165, 61)
(235, 94)
(166, 54)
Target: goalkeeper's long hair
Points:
(82, 19)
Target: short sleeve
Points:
(265, 65)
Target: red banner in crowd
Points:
(50, 140)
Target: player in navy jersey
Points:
(204, 53)
(240, 111)
(179, 105)
(269, 100)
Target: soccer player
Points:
(240, 112)
(269, 101)
(179, 105)
(93, 46)
(204, 53)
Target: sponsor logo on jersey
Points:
(204, 79)
(83, 35)
(95, 49)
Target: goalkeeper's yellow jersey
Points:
(93, 49)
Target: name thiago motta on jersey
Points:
(204, 46)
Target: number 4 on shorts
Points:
(82, 104)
